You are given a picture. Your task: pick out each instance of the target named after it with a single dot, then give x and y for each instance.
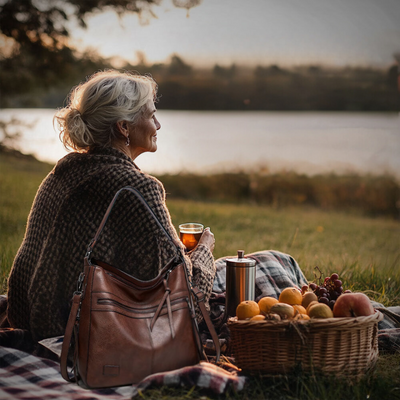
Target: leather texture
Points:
(125, 329)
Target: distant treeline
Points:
(276, 88)
(185, 87)
(369, 195)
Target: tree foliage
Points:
(36, 55)
(44, 22)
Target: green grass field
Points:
(364, 251)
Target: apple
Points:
(353, 305)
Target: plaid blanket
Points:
(24, 376)
(275, 271)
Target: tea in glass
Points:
(190, 234)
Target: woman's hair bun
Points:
(74, 133)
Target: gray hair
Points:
(95, 106)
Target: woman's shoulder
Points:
(97, 159)
(104, 168)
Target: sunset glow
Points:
(362, 32)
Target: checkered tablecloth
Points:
(24, 376)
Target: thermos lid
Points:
(240, 261)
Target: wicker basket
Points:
(340, 346)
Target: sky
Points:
(254, 32)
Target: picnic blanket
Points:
(35, 376)
(25, 376)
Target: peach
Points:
(353, 305)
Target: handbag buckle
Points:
(167, 274)
(198, 294)
(79, 284)
(89, 249)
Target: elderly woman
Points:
(110, 120)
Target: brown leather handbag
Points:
(125, 329)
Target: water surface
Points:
(206, 141)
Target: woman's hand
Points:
(207, 239)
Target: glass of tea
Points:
(190, 234)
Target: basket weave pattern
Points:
(339, 346)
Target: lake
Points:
(207, 141)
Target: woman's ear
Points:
(122, 127)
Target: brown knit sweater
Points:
(66, 212)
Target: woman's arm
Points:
(203, 267)
(200, 261)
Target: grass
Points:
(20, 178)
(297, 387)
(365, 251)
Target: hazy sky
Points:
(335, 32)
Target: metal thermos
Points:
(240, 282)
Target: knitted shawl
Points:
(66, 212)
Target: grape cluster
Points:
(328, 291)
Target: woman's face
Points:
(143, 135)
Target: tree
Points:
(43, 22)
(178, 66)
(37, 55)
(224, 73)
(265, 72)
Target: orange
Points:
(299, 309)
(291, 295)
(247, 309)
(266, 303)
(258, 317)
(301, 317)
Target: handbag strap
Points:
(200, 301)
(73, 321)
(146, 205)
